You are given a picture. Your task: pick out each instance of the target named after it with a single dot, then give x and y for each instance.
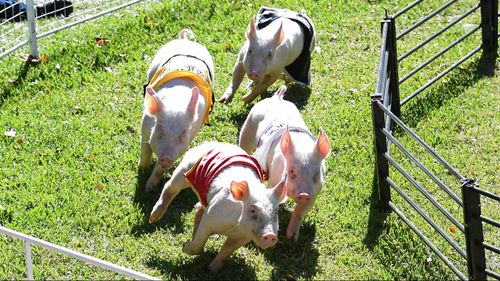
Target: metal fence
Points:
(30, 240)
(386, 109)
(24, 23)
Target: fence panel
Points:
(385, 115)
(24, 25)
(29, 240)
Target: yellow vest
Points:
(190, 68)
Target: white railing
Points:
(29, 240)
(15, 33)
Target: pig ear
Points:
(278, 37)
(286, 144)
(152, 103)
(191, 109)
(239, 190)
(281, 91)
(322, 145)
(250, 34)
(279, 191)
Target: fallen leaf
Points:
(453, 229)
(428, 261)
(101, 41)
(99, 186)
(20, 141)
(10, 133)
(44, 58)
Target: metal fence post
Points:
(30, 13)
(392, 67)
(476, 260)
(380, 145)
(489, 26)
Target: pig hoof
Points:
(188, 249)
(226, 98)
(215, 266)
(144, 166)
(248, 98)
(154, 217)
(292, 233)
(149, 187)
(151, 184)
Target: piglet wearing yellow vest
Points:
(177, 101)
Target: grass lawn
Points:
(70, 175)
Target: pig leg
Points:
(176, 183)
(248, 135)
(200, 210)
(196, 245)
(238, 74)
(260, 87)
(146, 152)
(230, 245)
(155, 177)
(298, 214)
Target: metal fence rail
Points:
(489, 44)
(41, 18)
(30, 240)
(386, 107)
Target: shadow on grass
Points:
(296, 93)
(235, 268)
(183, 203)
(377, 216)
(405, 256)
(290, 259)
(7, 91)
(456, 83)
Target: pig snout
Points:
(165, 162)
(302, 198)
(254, 75)
(268, 239)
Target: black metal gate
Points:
(386, 112)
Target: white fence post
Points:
(30, 13)
(29, 263)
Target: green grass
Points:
(70, 175)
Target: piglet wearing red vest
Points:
(236, 204)
(175, 110)
(275, 130)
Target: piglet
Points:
(178, 99)
(281, 41)
(233, 200)
(279, 139)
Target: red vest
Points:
(200, 176)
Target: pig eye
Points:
(316, 177)
(253, 213)
(270, 54)
(249, 51)
(181, 136)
